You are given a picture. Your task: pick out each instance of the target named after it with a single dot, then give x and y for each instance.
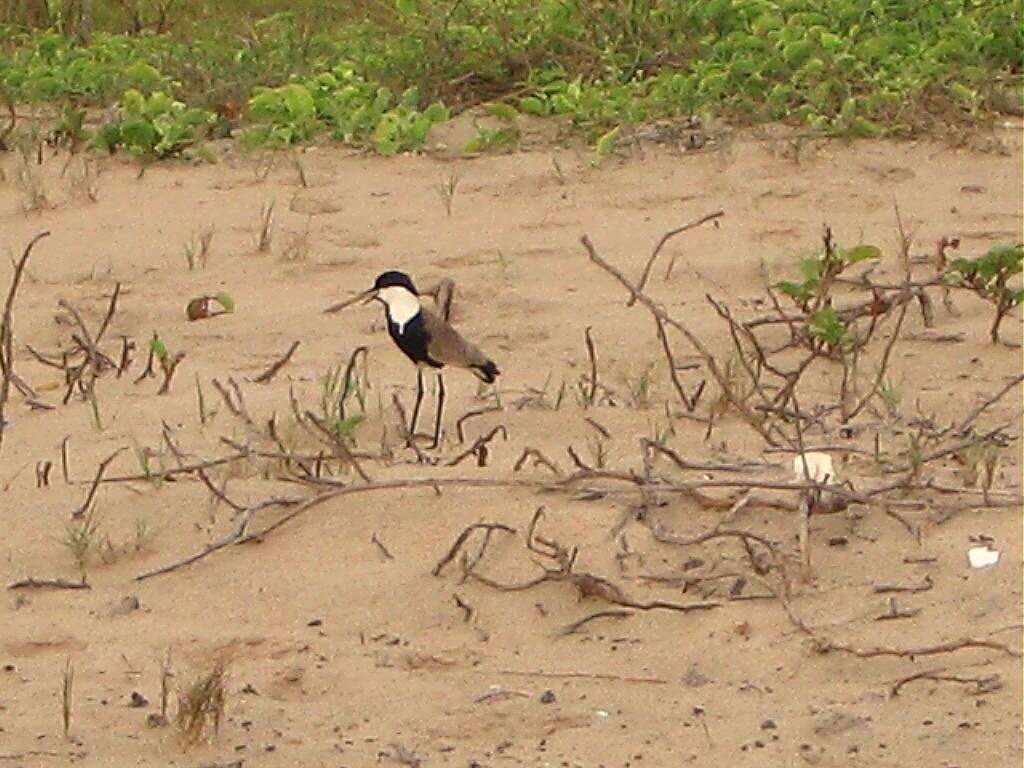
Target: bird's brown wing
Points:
(446, 345)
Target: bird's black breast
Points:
(413, 340)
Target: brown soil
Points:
(341, 655)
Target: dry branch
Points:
(267, 376)
(982, 684)
(460, 541)
(645, 275)
(689, 403)
(341, 450)
(694, 340)
(232, 538)
(459, 425)
(91, 495)
(576, 626)
(7, 374)
(973, 415)
(538, 459)
(349, 370)
(592, 356)
(479, 447)
(33, 583)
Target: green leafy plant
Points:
(80, 540)
(405, 128)
(826, 326)
(819, 273)
(835, 66)
(490, 139)
(285, 115)
(989, 277)
(155, 125)
(335, 394)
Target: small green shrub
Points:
(154, 125)
(988, 276)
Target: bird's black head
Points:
(392, 278)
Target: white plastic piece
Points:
(819, 467)
(982, 557)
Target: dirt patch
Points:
(356, 652)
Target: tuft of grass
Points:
(300, 169)
(166, 676)
(81, 540)
(201, 705)
(891, 396)
(110, 551)
(640, 387)
(300, 245)
(28, 181)
(66, 696)
(197, 249)
(446, 188)
(266, 235)
(85, 181)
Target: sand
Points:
(343, 649)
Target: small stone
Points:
(127, 604)
(548, 697)
(315, 623)
(156, 720)
(694, 678)
(137, 700)
(838, 541)
(768, 725)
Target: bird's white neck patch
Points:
(403, 305)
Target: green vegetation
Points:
(380, 74)
(988, 276)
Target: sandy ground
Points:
(343, 655)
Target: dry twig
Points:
(267, 376)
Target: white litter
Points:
(982, 557)
(819, 467)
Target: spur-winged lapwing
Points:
(426, 339)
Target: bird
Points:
(427, 339)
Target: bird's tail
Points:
(487, 372)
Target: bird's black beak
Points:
(363, 298)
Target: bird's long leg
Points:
(440, 410)
(416, 408)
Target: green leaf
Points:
(606, 144)
(143, 75)
(826, 326)
(225, 301)
(299, 101)
(533, 106)
(139, 135)
(502, 111)
(437, 112)
(345, 427)
(860, 253)
(475, 145)
(811, 269)
(158, 348)
(796, 291)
